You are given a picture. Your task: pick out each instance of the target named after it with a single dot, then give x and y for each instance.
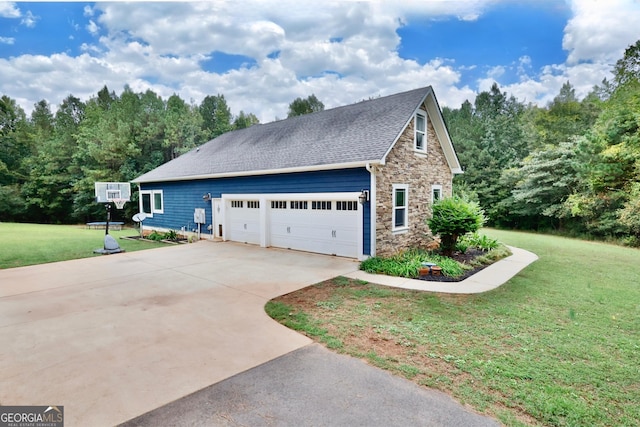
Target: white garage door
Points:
(317, 225)
(243, 221)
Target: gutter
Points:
(333, 166)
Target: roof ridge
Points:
(363, 101)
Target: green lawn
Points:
(557, 345)
(29, 244)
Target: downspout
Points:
(372, 209)
(140, 207)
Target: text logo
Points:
(31, 416)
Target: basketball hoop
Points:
(119, 203)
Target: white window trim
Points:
(152, 196)
(405, 227)
(435, 187)
(422, 150)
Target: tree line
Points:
(50, 160)
(571, 167)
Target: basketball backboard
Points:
(109, 191)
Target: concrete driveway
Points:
(114, 337)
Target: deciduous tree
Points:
(308, 105)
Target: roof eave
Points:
(333, 166)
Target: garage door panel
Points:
(243, 222)
(328, 231)
(315, 224)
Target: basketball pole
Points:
(117, 193)
(106, 227)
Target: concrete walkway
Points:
(489, 278)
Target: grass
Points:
(558, 345)
(29, 244)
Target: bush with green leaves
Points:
(478, 241)
(408, 264)
(453, 217)
(171, 235)
(155, 236)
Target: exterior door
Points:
(216, 208)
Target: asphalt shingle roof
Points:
(360, 132)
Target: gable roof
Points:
(351, 136)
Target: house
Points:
(354, 181)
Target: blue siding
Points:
(182, 197)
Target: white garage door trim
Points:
(234, 227)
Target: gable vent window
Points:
(278, 204)
(321, 205)
(420, 140)
(347, 206)
(237, 203)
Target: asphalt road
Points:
(313, 386)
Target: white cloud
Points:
(7, 40)
(342, 52)
(29, 20)
(92, 27)
(8, 9)
(600, 31)
(524, 67)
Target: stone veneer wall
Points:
(405, 166)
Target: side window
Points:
(436, 193)
(152, 202)
(158, 203)
(145, 202)
(400, 207)
(420, 140)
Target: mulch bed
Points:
(466, 257)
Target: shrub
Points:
(155, 236)
(171, 235)
(479, 241)
(452, 217)
(462, 246)
(407, 264)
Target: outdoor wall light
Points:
(206, 197)
(364, 196)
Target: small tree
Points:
(299, 106)
(453, 217)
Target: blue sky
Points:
(500, 36)
(264, 54)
